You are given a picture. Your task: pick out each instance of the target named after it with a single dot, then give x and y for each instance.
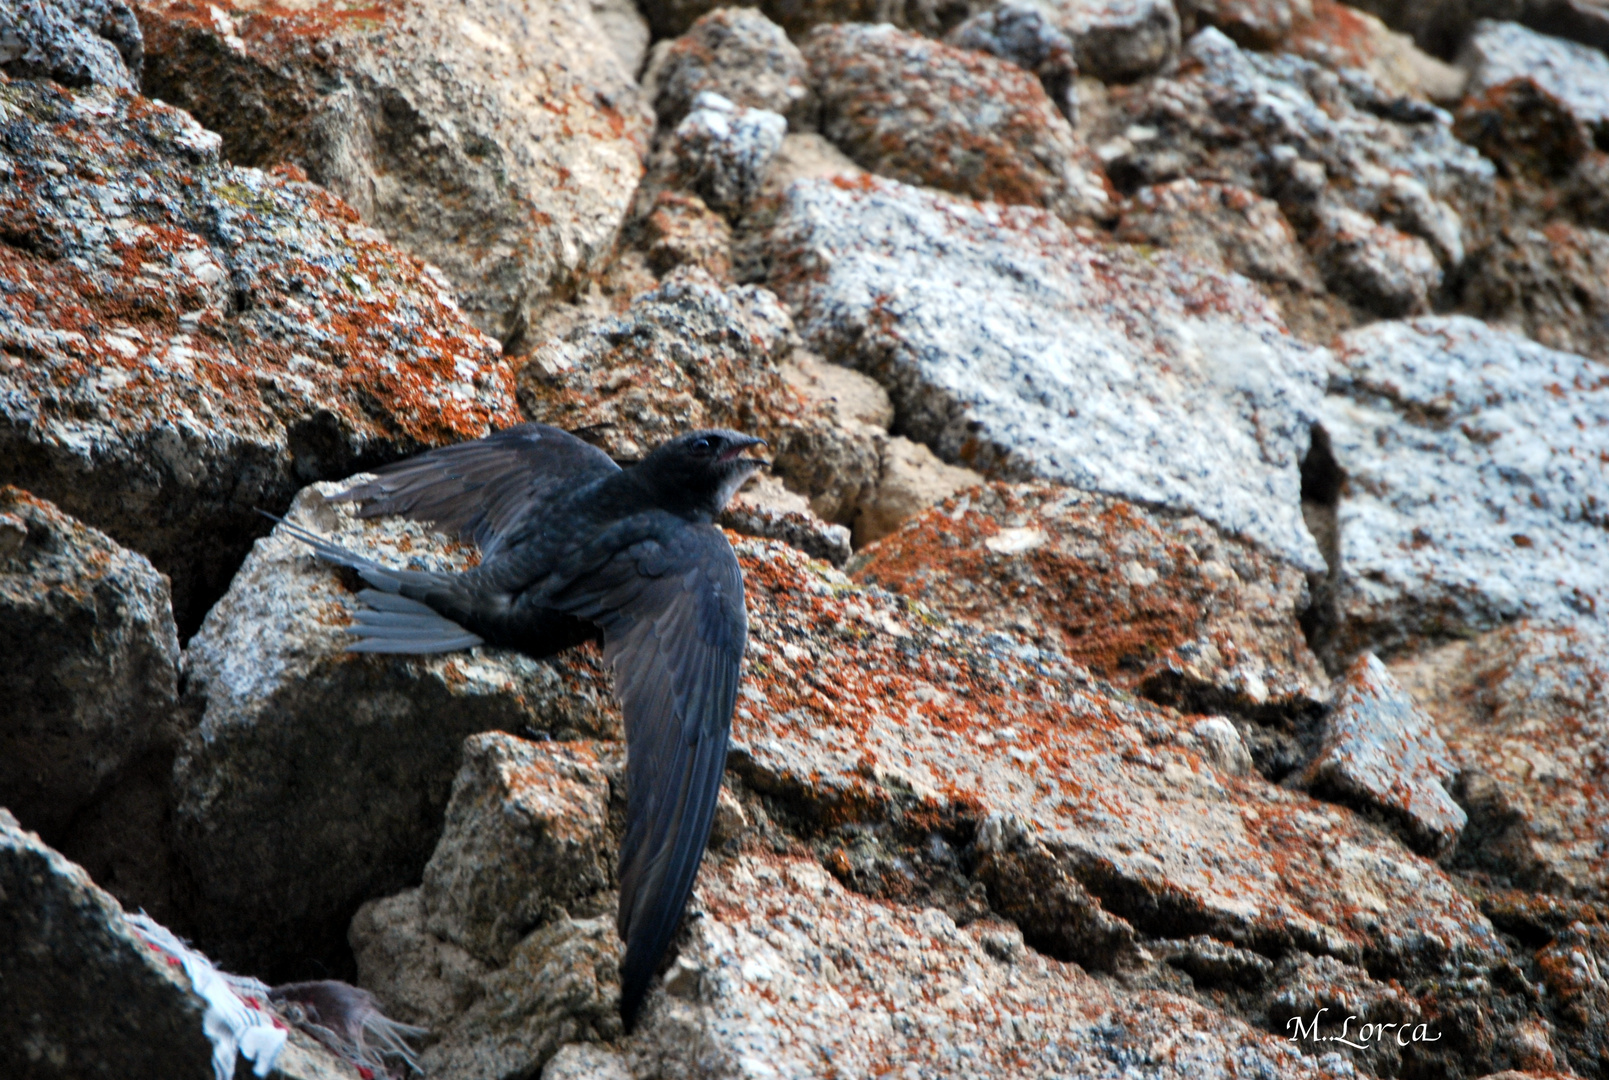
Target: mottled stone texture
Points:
(85, 996)
(788, 968)
(1381, 751)
(928, 113)
(692, 354)
(737, 53)
(525, 831)
(183, 342)
(499, 141)
(1022, 348)
(1476, 468)
(77, 43)
(317, 778)
(92, 662)
(1156, 602)
(1525, 711)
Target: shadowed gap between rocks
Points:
(1322, 483)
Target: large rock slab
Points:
(499, 141)
(928, 113)
(1158, 603)
(183, 342)
(86, 995)
(92, 661)
(1476, 469)
(862, 712)
(318, 779)
(75, 42)
(1015, 345)
(788, 969)
(1525, 711)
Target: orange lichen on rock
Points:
(182, 340)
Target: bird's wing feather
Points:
(480, 490)
(674, 629)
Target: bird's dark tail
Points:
(390, 621)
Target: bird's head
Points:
(698, 472)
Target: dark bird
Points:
(573, 547)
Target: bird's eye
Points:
(703, 446)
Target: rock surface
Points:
(1476, 469)
(1575, 76)
(737, 53)
(499, 142)
(1025, 36)
(1158, 603)
(1525, 711)
(87, 997)
(1379, 749)
(525, 831)
(183, 341)
(92, 661)
(689, 355)
(929, 113)
(317, 778)
(722, 151)
(77, 43)
(1015, 345)
(788, 968)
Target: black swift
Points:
(573, 547)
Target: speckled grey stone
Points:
(721, 150)
(1010, 343)
(75, 42)
(1477, 480)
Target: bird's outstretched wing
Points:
(480, 490)
(674, 628)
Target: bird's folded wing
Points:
(479, 490)
(674, 630)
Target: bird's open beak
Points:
(735, 451)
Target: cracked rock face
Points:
(1476, 469)
(1525, 712)
(183, 342)
(1159, 603)
(789, 968)
(929, 113)
(317, 778)
(500, 143)
(92, 661)
(1019, 347)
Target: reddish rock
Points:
(1341, 36)
(1525, 711)
(1254, 24)
(1159, 603)
(862, 712)
(681, 230)
(1551, 282)
(183, 342)
(932, 114)
(500, 142)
